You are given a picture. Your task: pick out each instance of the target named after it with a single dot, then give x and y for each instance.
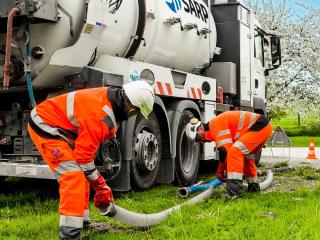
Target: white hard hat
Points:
(141, 95)
(192, 128)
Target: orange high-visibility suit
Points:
(67, 131)
(240, 134)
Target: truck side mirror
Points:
(275, 51)
(275, 54)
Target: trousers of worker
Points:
(74, 189)
(240, 158)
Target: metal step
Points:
(25, 170)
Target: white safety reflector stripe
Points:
(241, 120)
(110, 114)
(252, 118)
(70, 109)
(250, 156)
(235, 175)
(237, 136)
(242, 147)
(224, 141)
(71, 221)
(223, 132)
(93, 176)
(42, 125)
(252, 180)
(88, 167)
(66, 166)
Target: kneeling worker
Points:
(68, 130)
(238, 136)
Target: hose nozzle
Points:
(109, 211)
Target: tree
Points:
(297, 81)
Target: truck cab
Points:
(246, 56)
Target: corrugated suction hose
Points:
(146, 220)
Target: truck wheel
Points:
(187, 158)
(146, 152)
(257, 157)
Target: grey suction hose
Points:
(146, 220)
(266, 183)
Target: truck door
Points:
(258, 84)
(245, 59)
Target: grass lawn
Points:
(28, 211)
(304, 141)
(300, 136)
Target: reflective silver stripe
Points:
(237, 136)
(71, 221)
(252, 118)
(242, 147)
(110, 114)
(224, 141)
(252, 180)
(235, 175)
(42, 125)
(250, 156)
(223, 132)
(66, 166)
(88, 167)
(86, 215)
(93, 176)
(241, 120)
(70, 109)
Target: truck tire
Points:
(188, 152)
(146, 152)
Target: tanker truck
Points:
(202, 57)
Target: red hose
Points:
(6, 70)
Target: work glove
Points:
(234, 187)
(103, 196)
(253, 187)
(222, 165)
(221, 172)
(192, 128)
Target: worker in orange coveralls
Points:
(68, 130)
(238, 136)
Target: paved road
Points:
(294, 156)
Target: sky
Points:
(299, 10)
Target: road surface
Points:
(294, 156)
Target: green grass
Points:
(280, 164)
(28, 210)
(300, 136)
(310, 126)
(304, 141)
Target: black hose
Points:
(137, 39)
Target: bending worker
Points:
(238, 135)
(68, 130)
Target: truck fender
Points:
(259, 105)
(166, 169)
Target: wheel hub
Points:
(187, 154)
(147, 151)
